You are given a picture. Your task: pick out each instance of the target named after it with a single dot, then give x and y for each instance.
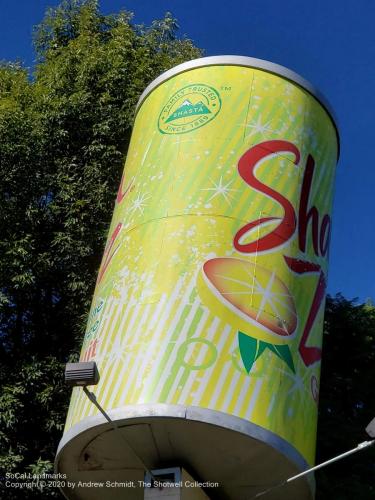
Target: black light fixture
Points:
(81, 374)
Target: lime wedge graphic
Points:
(255, 294)
(251, 349)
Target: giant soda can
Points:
(206, 323)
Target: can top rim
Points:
(250, 62)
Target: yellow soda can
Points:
(206, 322)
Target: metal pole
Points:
(359, 447)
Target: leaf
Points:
(251, 349)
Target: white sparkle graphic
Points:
(221, 189)
(298, 383)
(139, 203)
(258, 127)
(117, 352)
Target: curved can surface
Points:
(212, 286)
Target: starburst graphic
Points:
(139, 203)
(298, 382)
(258, 127)
(117, 351)
(221, 189)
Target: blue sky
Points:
(330, 43)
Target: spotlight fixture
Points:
(81, 374)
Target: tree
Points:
(347, 400)
(63, 136)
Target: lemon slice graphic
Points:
(255, 301)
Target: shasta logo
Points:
(189, 108)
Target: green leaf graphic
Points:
(248, 350)
(284, 353)
(251, 349)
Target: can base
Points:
(242, 458)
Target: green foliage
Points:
(32, 406)
(347, 400)
(63, 134)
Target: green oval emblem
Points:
(189, 108)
